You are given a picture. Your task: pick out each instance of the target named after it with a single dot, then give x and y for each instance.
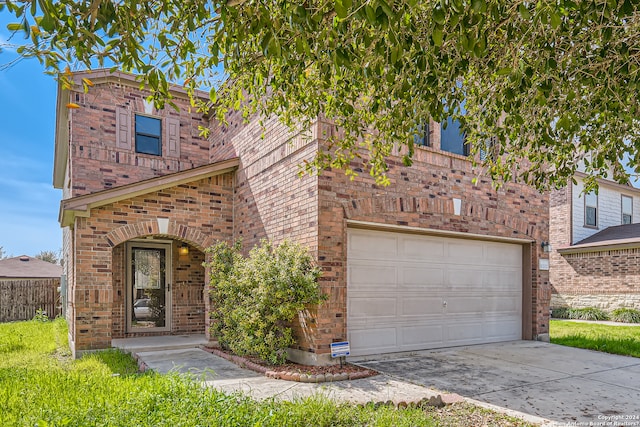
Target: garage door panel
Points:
(421, 248)
(501, 280)
(372, 307)
(458, 305)
(503, 304)
(421, 336)
(458, 277)
(397, 284)
(412, 276)
(367, 275)
(373, 340)
(421, 306)
(502, 329)
(375, 247)
(464, 333)
(469, 252)
(501, 254)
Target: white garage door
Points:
(410, 292)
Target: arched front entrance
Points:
(159, 287)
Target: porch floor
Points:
(163, 342)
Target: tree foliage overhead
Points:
(548, 81)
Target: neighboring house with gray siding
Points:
(595, 241)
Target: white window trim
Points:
(595, 207)
(622, 212)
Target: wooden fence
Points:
(21, 298)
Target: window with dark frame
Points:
(452, 139)
(591, 209)
(148, 135)
(627, 209)
(421, 137)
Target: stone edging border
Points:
(289, 376)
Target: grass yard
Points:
(624, 340)
(42, 386)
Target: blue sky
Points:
(28, 201)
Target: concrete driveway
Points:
(550, 381)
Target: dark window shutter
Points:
(173, 137)
(123, 129)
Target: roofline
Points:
(108, 75)
(605, 245)
(610, 183)
(97, 76)
(81, 205)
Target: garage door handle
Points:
(444, 303)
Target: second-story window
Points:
(627, 210)
(421, 137)
(452, 139)
(591, 209)
(148, 135)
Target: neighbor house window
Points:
(148, 135)
(591, 209)
(627, 210)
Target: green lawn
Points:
(623, 340)
(41, 386)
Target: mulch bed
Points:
(293, 371)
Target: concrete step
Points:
(158, 343)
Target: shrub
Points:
(41, 316)
(255, 298)
(626, 315)
(560, 313)
(588, 313)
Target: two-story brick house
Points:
(432, 260)
(595, 241)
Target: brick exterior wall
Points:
(271, 201)
(421, 196)
(199, 213)
(97, 163)
(606, 279)
(265, 198)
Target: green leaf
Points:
(504, 71)
(14, 27)
(437, 36)
(439, 16)
(371, 15)
(340, 9)
(524, 12)
(555, 20)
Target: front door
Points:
(148, 297)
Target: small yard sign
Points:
(340, 349)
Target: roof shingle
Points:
(27, 267)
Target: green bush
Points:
(626, 315)
(560, 313)
(254, 299)
(588, 313)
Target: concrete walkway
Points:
(217, 372)
(547, 380)
(224, 375)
